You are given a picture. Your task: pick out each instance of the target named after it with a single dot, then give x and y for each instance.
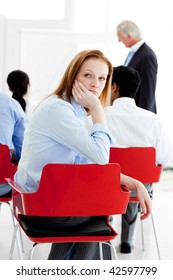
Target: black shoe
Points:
(125, 248)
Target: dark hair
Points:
(127, 79)
(18, 83)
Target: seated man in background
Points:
(12, 127)
(133, 126)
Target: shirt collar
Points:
(136, 46)
(124, 101)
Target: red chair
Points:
(138, 163)
(7, 169)
(72, 190)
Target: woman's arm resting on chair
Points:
(142, 194)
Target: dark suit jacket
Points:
(145, 62)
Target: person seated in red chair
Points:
(12, 127)
(133, 126)
(57, 134)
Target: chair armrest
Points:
(14, 185)
(17, 198)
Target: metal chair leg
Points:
(19, 242)
(31, 251)
(13, 241)
(16, 238)
(101, 250)
(113, 250)
(155, 235)
(142, 233)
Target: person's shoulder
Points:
(7, 100)
(54, 104)
(148, 114)
(54, 100)
(4, 96)
(146, 56)
(11, 106)
(148, 50)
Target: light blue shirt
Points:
(12, 124)
(133, 50)
(57, 134)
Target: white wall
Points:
(2, 51)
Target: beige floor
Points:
(162, 212)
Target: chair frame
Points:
(139, 163)
(87, 188)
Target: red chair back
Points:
(74, 190)
(137, 162)
(7, 169)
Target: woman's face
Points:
(93, 74)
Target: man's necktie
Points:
(129, 57)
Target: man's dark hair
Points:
(127, 79)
